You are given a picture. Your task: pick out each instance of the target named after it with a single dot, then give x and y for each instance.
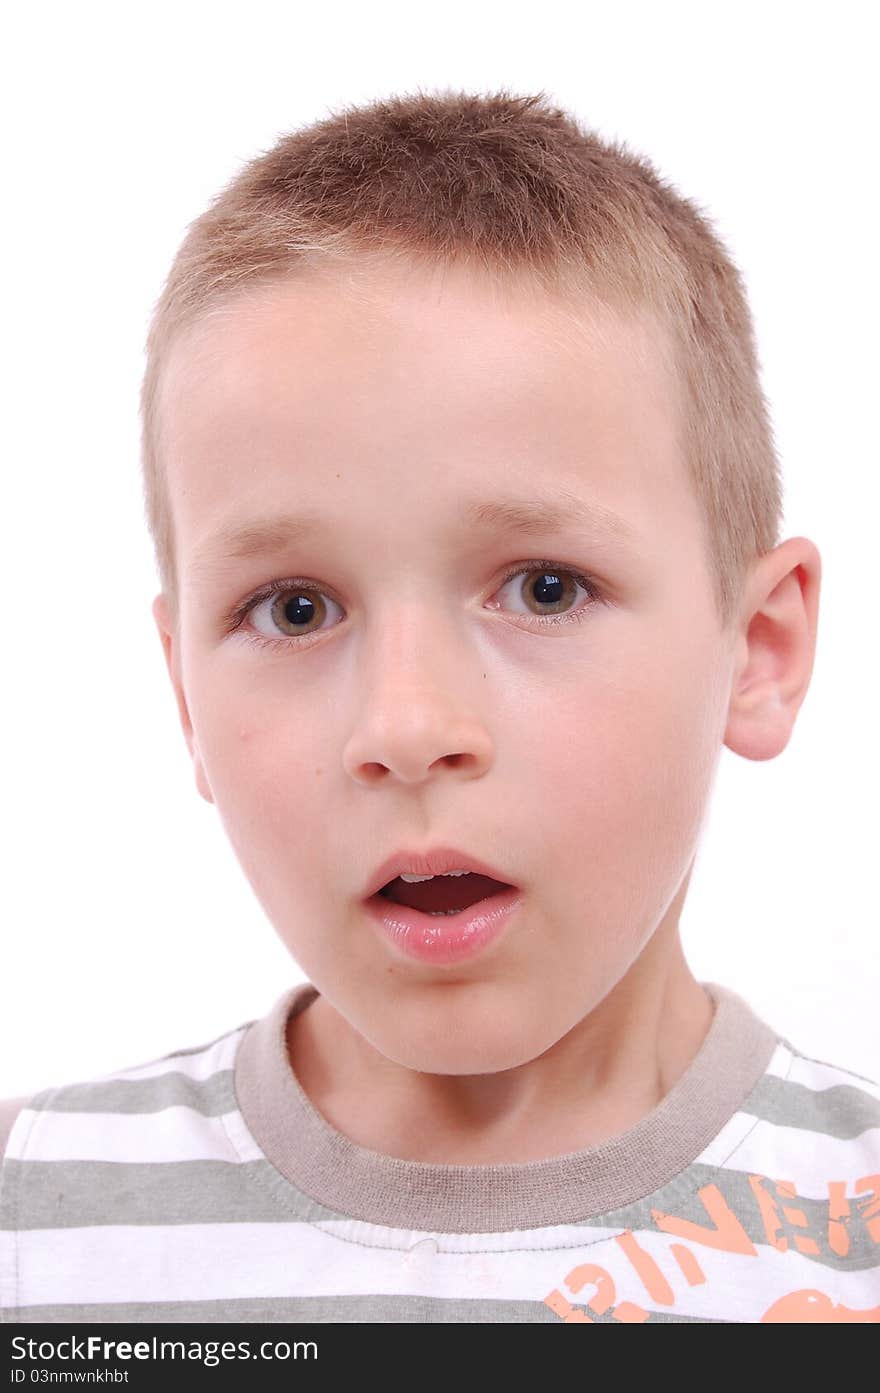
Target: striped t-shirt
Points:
(206, 1186)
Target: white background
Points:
(128, 926)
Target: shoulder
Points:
(823, 1117)
(9, 1110)
(829, 1089)
(59, 1121)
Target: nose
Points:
(419, 704)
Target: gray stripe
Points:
(842, 1111)
(82, 1194)
(211, 1097)
(389, 1310)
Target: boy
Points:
(466, 512)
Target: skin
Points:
(432, 707)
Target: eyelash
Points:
(276, 587)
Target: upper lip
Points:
(435, 861)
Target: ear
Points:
(171, 649)
(775, 649)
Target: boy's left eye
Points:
(297, 607)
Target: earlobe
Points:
(776, 649)
(168, 637)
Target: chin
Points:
(470, 1052)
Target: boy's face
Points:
(425, 703)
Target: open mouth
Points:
(444, 920)
(442, 894)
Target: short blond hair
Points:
(516, 186)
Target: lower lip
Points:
(445, 938)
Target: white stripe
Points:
(174, 1134)
(780, 1062)
(208, 1262)
(207, 1061)
(815, 1074)
(808, 1159)
(557, 1236)
(725, 1145)
(240, 1138)
(8, 1269)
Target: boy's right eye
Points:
(284, 613)
(291, 607)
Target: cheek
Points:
(268, 772)
(621, 775)
(260, 742)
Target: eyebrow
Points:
(525, 517)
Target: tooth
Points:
(412, 879)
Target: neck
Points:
(598, 1080)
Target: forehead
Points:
(400, 385)
(406, 321)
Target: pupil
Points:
(555, 585)
(299, 611)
